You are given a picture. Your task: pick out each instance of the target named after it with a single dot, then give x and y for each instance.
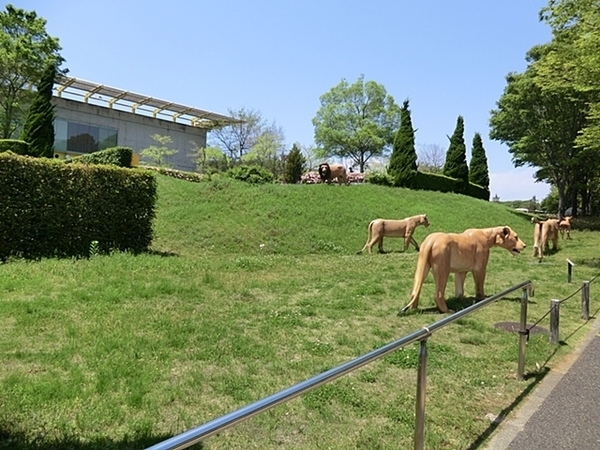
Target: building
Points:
(92, 117)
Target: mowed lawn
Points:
(251, 289)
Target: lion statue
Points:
(329, 172)
(564, 226)
(380, 228)
(469, 251)
(544, 232)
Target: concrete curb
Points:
(509, 429)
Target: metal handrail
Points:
(217, 425)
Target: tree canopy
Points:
(540, 127)
(356, 121)
(26, 50)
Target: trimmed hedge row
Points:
(14, 145)
(49, 209)
(433, 182)
(117, 156)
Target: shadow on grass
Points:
(14, 439)
(537, 377)
(163, 254)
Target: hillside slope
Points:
(233, 217)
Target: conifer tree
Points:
(294, 165)
(456, 156)
(38, 129)
(478, 168)
(403, 161)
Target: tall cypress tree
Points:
(38, 129)
(403, 161)
(456, 156)
(478, 168)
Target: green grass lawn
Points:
(250, 289)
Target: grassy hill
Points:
(233, 217)
(250, 289)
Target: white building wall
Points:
(134, 130)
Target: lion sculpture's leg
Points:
(459, 284)
(440, 276)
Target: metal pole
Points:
(522, 335)
(420, 402)
(585, 300)
(554, 320)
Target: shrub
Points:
(117, 156)
(251, 174)
(14, 145)
(379, 178)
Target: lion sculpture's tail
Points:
(369, 236)
(423, 266)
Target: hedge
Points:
(117, 156)
(48, 208)
(14, 145)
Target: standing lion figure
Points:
(329, 172)
(469, 251)
(543, 233)
(380, 228)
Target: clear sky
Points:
(448, 57)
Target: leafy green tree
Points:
(540, 127)
(356, 121)
(573, 61)
(294, 165)
(403, 161)
(38, 129)
(456, 156)
(478, 169)
(26, 50)
(158, 154)
(238, 139)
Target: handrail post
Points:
(585, 300)
(554, 320)
(522, 335)
(420, 401)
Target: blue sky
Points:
(449, 58)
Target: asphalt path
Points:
(563, 412)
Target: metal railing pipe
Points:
(217, 425)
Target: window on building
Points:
(73, 137)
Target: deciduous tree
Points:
(356, 121)
(540, 127)
(158, 154)
(25, 51)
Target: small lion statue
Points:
(544, 232)
(329, 172)
(564, 226)
(380, 228)
(469, 251)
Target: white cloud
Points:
(517, 184)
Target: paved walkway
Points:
(563, 412)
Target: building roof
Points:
(114, 98)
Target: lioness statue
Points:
(380, 228)
(544, 232)
(329, 172)
(469, 251)
(564, 226)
